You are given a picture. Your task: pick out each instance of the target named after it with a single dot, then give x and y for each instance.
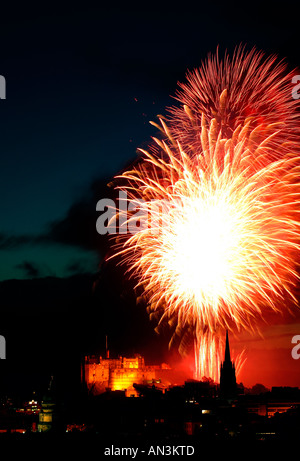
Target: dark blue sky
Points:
(82, 85)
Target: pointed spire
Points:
(227, 349)
(227, 374)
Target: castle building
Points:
(120, 374)
(228, 387)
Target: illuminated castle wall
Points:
(101, 374)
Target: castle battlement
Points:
(101, 374)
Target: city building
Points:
(121, 374)
(47, 412)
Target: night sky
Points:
(82, 85)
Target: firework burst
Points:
(218, 199)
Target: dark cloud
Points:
(75, 267)
(9, 242)
(78, 227)
(30, 269)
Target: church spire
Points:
(227, 349)
(227, 377)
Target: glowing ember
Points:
(220, 199)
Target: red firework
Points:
(223, 248)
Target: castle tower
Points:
(228, 387)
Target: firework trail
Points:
(218, 204)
